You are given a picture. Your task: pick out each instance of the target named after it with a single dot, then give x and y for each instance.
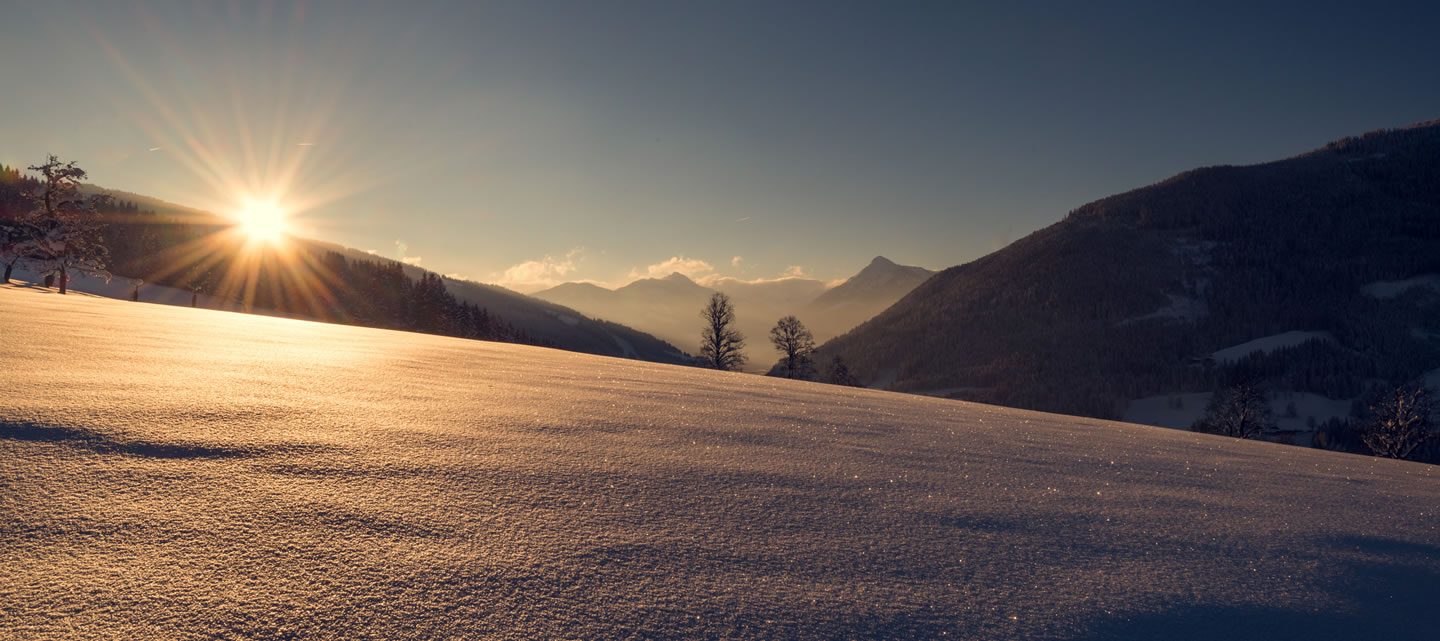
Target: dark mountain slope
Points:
(1127, 296)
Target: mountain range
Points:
(669, 307)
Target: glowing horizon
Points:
(528, 146)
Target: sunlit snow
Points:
(179, 473)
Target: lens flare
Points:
(263, 221)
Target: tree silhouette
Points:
(1240, 411)
(796, 344)
(720, 342)
(840, 373)
(1400, 423)
(66, 225)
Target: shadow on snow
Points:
(1381, 589)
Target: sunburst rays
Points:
(266, 159)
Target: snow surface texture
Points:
(179, 473)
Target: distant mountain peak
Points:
(677, 277)
(578, 286)
(877, 286)
(884, 268)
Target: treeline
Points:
(1396, 422)
(379, 294)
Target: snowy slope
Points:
(1267, 344)
(179, 473)
(123, 288)
(1392, 288)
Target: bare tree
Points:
(795, 344)
(66, 224)
(720, 342)
(1400, 423)
(1240, 411)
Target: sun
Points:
(263, 221)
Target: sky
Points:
(530, 143)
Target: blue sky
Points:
(533, 142)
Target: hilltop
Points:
(193, 474)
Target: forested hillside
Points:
(1131, 296)
(160, 243)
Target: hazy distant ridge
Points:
(669, 307)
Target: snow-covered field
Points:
(179, 473)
